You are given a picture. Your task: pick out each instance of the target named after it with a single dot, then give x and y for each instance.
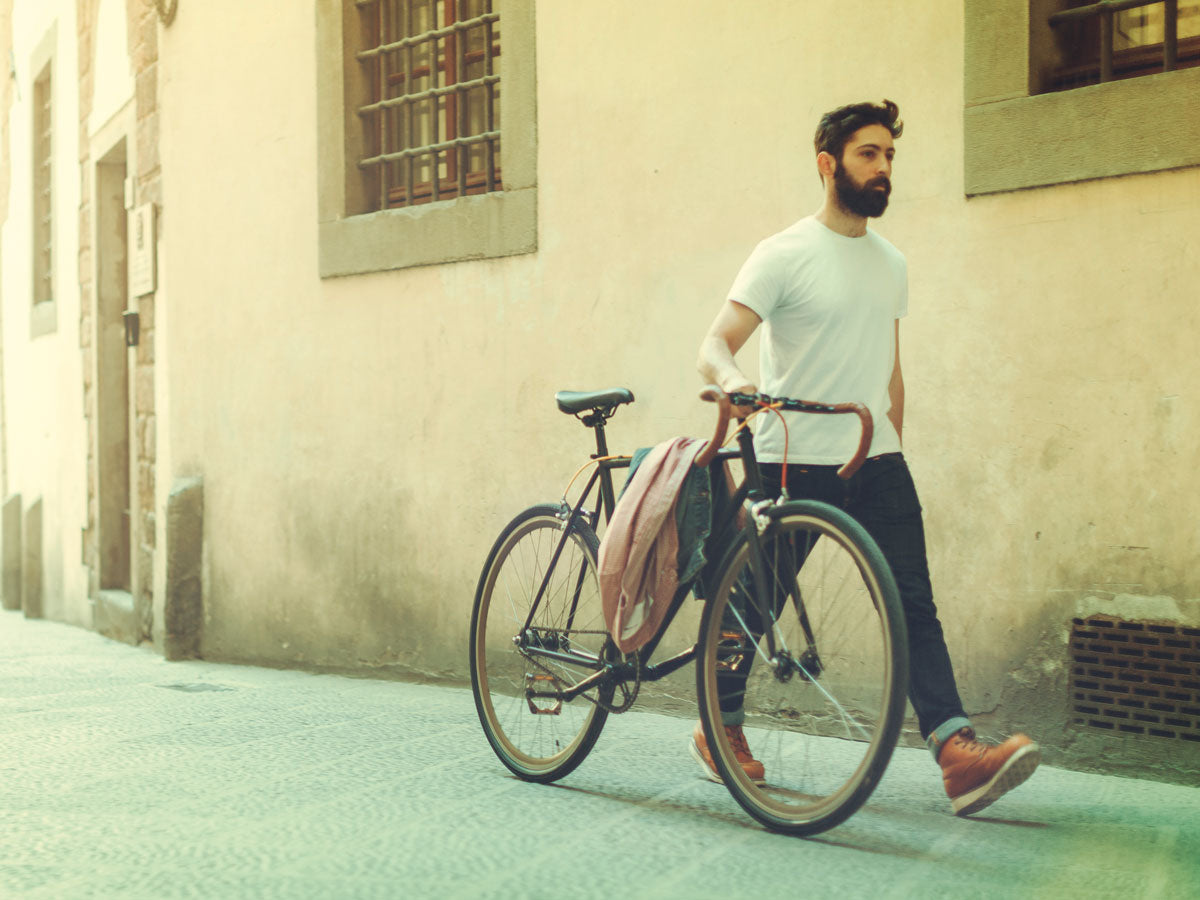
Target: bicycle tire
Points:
(825, 741)
(537, 746)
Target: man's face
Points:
(863, 177)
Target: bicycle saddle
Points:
(575, 402)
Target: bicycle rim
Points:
(537, 739)
(823, 716)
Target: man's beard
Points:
(866, 201)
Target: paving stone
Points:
(123, 775)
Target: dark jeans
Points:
(881, 496)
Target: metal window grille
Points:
(1139, 678)
(1113, 39)
(43, 187)
(432, 125)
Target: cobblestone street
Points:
(123, 775)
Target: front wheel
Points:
(824, 713)
(537, 738)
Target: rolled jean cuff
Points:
(733, 717)
(944, 732)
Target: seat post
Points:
(601, 443)
(595, 420)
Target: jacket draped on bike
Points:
(655, 539)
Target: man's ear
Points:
(826, 165)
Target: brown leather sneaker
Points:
(699, 748)
(977, 774)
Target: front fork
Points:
(768, 576)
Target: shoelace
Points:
(737, 738)
(972, 744)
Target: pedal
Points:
(536, 693)
(730, 650)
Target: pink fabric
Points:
(638, 555)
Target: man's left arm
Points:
(896, 391)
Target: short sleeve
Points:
(758, 285)
(902, 290)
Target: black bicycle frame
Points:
(725, 518)
(760, 513)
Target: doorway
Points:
(114, 440)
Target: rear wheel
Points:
(824, 714)
(539, 738)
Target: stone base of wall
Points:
(10, 553)
(183, 611)
(114, 616)
(31, 561)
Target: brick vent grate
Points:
(1139, 678)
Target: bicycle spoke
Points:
(746, 629)
(822, 716)
(538, 738)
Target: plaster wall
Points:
(363, 439)
(113, 81)
(46, 440)
(7, 94)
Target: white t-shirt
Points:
(829, 305)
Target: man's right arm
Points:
(728, 333)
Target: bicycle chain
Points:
(628, 696)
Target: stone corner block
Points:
(10, 552)
(183, 608)
(31, 563)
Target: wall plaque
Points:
(141, 250)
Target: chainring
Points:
(628, 691)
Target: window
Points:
(431, 130)
(1018, 133)
(44, 314)
(43, 191)
(1095, 43)
(427, 144)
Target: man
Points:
(830, 292)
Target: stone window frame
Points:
(1015, 139)
(501, 223)
(43, 313)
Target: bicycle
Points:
(801, 621)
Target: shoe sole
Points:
(1015, 771)
(709, 772)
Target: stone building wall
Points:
(142, 20)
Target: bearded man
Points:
(830, 294)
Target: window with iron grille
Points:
(1023, 129)
(427, 132)
(1097, 42)
(431, 126)
(43, 189)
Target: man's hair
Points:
(837, 127)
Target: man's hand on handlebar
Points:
(741, 412)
